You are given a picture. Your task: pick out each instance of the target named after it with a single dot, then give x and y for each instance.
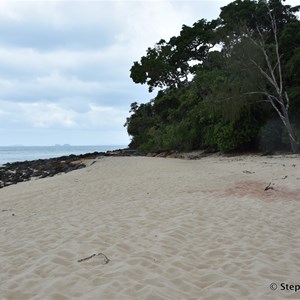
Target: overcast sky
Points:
(64, 65)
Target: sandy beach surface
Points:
(213, 228)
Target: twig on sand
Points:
(248, 172)
(269, 187)
(106, 260)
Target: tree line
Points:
(232, 83)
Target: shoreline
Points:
(21, 171)
(10, 154)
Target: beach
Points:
(155, 228)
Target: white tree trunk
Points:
(279, 99)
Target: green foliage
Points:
(167, 64)
(273, 136)
(241, 15)
(213, 98)
(270, 136)
(290, 46)
(228, 136)
(139, 123)
(173, 120)
(174, 137)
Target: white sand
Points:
(172, 229)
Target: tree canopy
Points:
(223, 83)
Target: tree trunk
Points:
(279, 99)
(294, 144)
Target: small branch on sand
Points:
(248, 172)
(106, 260)
(269, 187)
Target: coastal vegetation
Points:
(230, 84)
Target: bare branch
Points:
(273, 74)
(271, 80)
(261, 45)
(280, 102)
(278, 111)
(257, 93)
(275, 84)
(287, 101)
(274, 28)
(276, 65)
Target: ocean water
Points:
(22, 153)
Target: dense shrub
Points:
(230, 136)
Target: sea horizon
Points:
(18, 153)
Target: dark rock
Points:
(124, 152)
(12, 173)
(194, 157)
(211, 150)
(44, 174)
(267, 153)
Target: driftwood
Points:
(106, 260)
(248, 172)
(269, 187)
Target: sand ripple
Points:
(171, 229)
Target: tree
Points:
(139, 123)
(289, 43)
(223, 96)
(260, 22)
(277, 95)
(169, 64)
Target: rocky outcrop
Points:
(183, 155)
(165, 154)
(13, 173)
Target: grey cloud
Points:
(56, 87)
(47, 38)
(64, 65)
